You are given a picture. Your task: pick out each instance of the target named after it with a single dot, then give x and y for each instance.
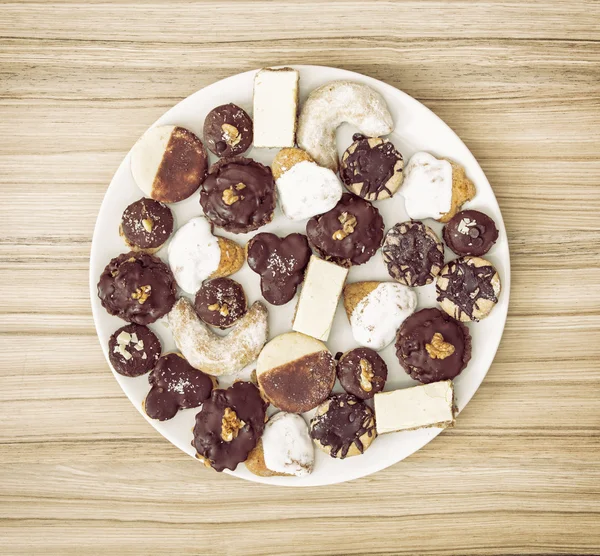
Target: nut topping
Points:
(438, 348)
(223, 309)
(366, 375)
(231, 135)
(229, 197)
(348, 222)
(148, 224)
(142, 294)
(230, 425)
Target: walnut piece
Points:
(230, 425)
(142, 294)
(223, 309)
(348, 222)
(438, 348)
(229, 197)
(231, 134)
(366, 375)
(148, 224)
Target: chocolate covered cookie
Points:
(372, 167)
(413, 253)
(228, 130)
(221, 302)
(146, 225)
(470, 232)
(362, 372)
(343, 426)
(137, 287)
(280, 262)
(432, 346)
(133, 350)
(175, 385)
(238, 195)
(349, 234)
(468, 288)
(229, 425)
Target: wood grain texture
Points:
(82, 473)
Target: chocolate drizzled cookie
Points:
(228, 130)
(468, 288)
(133, 350)
(221, 302)
(229, 425)
(343, 426)
(146, 225)
(280, 262)
(470, 232)
(362, 372)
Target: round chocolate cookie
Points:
(229, 425)
(133, 350)
(372, 167)
(413, 253)
(146, 225)
(221, 302)
(432, 346)
(470, 232)
(238, 195)
(280, 263)
(468, 288)
(228, 130)
(137, 287)
(362, 372)
(343, 426)
(175, 385)
(349, 234)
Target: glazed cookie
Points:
(414, 255)
(175, 385)
(195, 254)
(432, 346)
(333, 104)
(362, 372)
(376, 310)
(284, 449)
(435, 188)
(137, 287)
(470, 232)
(168, 163)
(349, 234)
(304, 188)
(468, 288)
(133, 350)
(280, 262)
(146, 225)
(343, 426)
(214, 354)
(229, 425)
(221, 302)
(372, 168)
(295, 372)
(228, 130)
(238, 195)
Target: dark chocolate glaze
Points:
(175, 385)
(280, 262)
(417, 331)
(357, 247)
(349, 372)
(256, 200)
(182, 169)
(134, 231)
(225, 293)
(413, 253)
(467, 284)
(343, 424)
(243, 398)
(143, 359)
(218, 140)
(125, 276)
(470, 232)
(371, 166)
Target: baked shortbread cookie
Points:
(295, 372)
(376, 310)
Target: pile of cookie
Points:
(295, 371)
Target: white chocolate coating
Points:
(147, 155)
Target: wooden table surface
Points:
(82, 473)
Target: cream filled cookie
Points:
(146, 225)
(228, 130)
(376, 310)
(362, 372)
(470, 232)
(221, 302)
(133, 350)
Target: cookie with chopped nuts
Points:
(228, 130)
(221, 302)
(146, 225)
(133, 350)
(362, 372)
(238, 195)
(470, 232)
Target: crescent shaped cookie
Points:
(329, 106)
(213, 354)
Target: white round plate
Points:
(416, 129)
